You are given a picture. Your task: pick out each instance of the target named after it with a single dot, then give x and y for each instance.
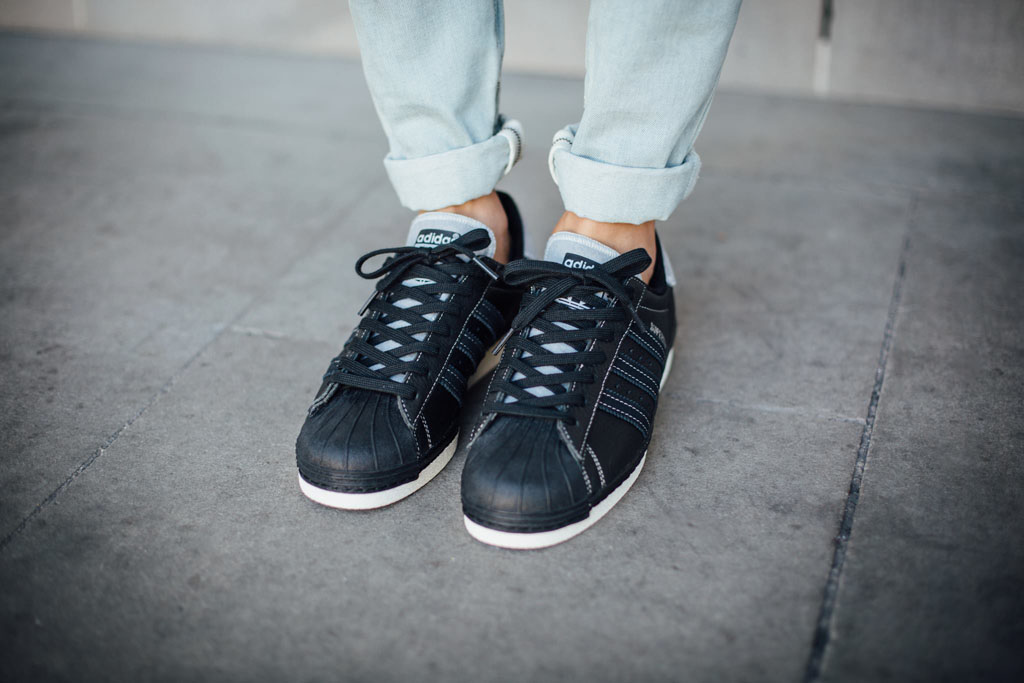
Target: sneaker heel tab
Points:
(663, 275)
(516, 232)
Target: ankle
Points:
(621, 237)
(489, 211)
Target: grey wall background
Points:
(963, 54)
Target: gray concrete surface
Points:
(947, 53)
(938, 52)
(176, 247)
(939, 527)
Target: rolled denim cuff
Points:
(619, 194)
(458, 175)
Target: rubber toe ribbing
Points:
(521, 477)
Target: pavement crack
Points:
(71, 108)
(823, 626)
(260, 332)
(94, 456)
(175, 376)
(781, 410)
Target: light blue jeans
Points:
(434, 68)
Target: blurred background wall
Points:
(963, 54)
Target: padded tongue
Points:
(435, 228)
(577, 251)
(573, 251)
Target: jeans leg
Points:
(433, 68)
(652, 67)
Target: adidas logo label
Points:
(569, 302)
(578, 262)
(434, 238)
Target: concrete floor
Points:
(834, 487)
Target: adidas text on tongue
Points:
(433, 237)
(578, 262)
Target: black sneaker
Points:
(568, 415)
(385, 420)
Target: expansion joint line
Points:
(823, 626)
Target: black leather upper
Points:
(355, 439)
(526, 474)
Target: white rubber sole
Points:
(378, 499)
(668, 368)
(545, 539)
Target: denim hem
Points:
(455, 176)
(621, 194)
